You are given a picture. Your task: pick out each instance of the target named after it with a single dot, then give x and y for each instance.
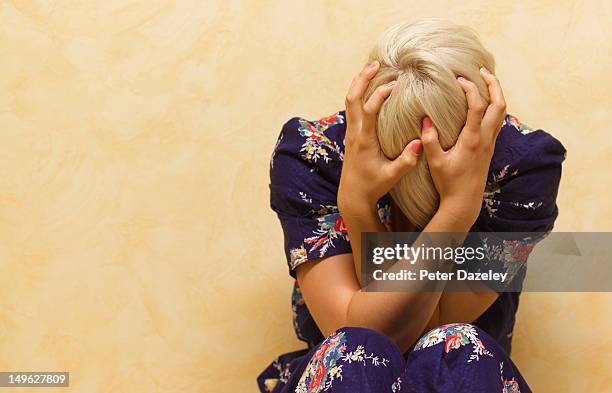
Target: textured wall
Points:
(137, 250)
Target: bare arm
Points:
(331, 285)
(333, 295)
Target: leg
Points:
(459, 358)
(349, 360)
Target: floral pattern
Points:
(514, 122)
(283, 376)
(490, 201)
(359, 355)
(305, 187)
(330, 227)
(454, 336)
(519, 197)
(298, 255)
(342, 364)
(511, 254)
(317, 145)
(397, 385)
(325, 366)
(509, 385)
(384, 213)
(297, 303)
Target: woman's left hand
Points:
(367, 175)
(460, 173)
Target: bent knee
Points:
(451, 335)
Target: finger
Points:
(354, 97)
(476, 106)
(406, 161)
(495, 113)
(431, 144)
(373, 105)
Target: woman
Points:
(425, 145)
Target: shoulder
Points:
(523, 179)
(313, 141)
(520, 148)
(304, 176)
(307, 157)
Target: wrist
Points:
(461, 215)
(357, 209)
(354, 205)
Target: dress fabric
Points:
(451, 358)
(305, 169)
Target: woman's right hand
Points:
(367, 175)
(460, 174)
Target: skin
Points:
(331, 286)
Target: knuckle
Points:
(471, 86)
(350, 98)
(408, 164)
(378, 95)
(412, 161)
(491, 77)
(381, 89)
(428, 138)
(407, 158)
(473, 143)
(501, 106)
(480, 106)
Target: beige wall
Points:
(137, 250)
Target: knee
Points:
(358, 334)
(452, 336)
(355, 337)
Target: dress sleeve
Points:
(304, 176)
(520, 196)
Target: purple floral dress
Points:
(520, 196)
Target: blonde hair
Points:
(425, 58)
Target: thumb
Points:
(406, 161)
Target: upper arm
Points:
(304, 177)
(328, 285)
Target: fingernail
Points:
(484, 70)
(392, 83)
(372, 64)
(461, 79)
(417, 147)
(426, 122)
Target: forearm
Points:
(403, 316)
(359, 221)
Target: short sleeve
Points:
(304, 175)
(523, 181)
(520, 195)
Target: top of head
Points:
(425, 57)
